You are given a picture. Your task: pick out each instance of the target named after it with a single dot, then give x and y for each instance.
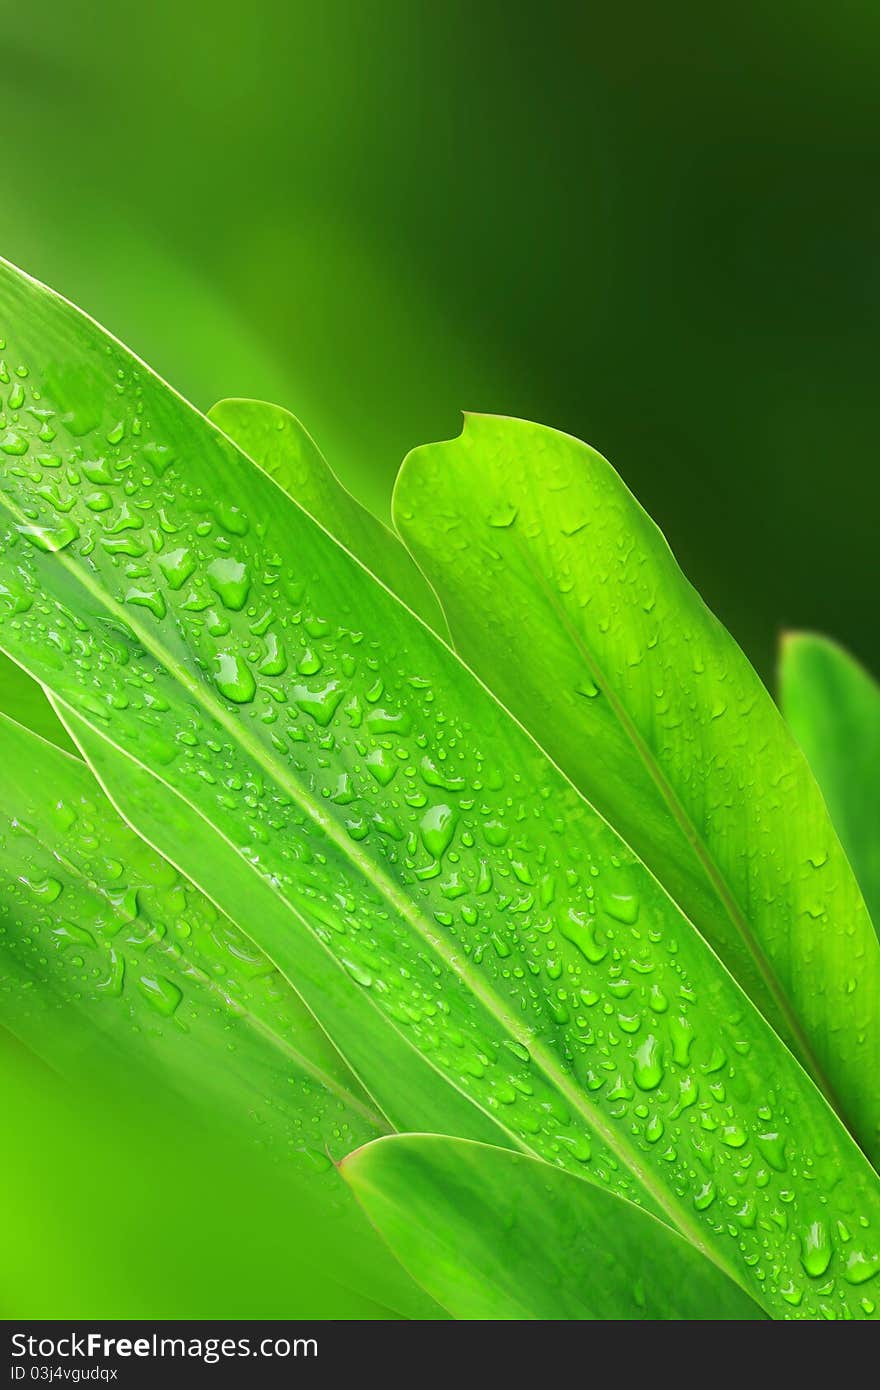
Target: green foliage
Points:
(563, 595)
(96, 919)
(503, 946)
(833, 707)
(493, 1234)
(276, 441)
(114, 966)
(23, 700)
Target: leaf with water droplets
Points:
(426, 926)
(497, 1235)
(678, 745)
(833, 707)
(158, 946)
(162, 986)
(408, 1093)
(279, 444)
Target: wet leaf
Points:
(490, 957)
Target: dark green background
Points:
(653, 225)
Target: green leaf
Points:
(833, 707)
(25, 701)
(279, 444)
(144, 965)
(114, 966)
(564, 596)
(437, 887)
(408, 1095)
(496, 1235)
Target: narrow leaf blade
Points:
(496, 1235)
(833, 707)
(23, 700)
(409, 1094)
(562, 593)
(145, 964)
(113, 967)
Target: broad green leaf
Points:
(437, 883)
(112, 964)
(279, 444)
(497, 1235)
(833, 707)
(564, 596)
(25, 701)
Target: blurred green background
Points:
(654, 226)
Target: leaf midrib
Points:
(676, 1212)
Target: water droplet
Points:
(580, 931)
(67, 934)
(53, 536)
(388, 721)
(357, 972)
(772, 1146)
(342, 793)
(682, 1036)
(502, 517)
(435, 776)
(14, 443)
(320, 705)
(588, 688)
(177, 566)
(648, 1068)
(159, 457)
(229, 579)
(382, 766)
(705, 1197)
(147, 598)
(623, 907)
(309, 663)
(274, 663)
(495, 832)
(49, 890)
(860, 1267)
(658, 1001)
(96, 470)
(816, 1249)
(733, 1136)
(115, 979)
(161, 993)
(234, 678)
(231, 518)
(654, 1129)
(437, 827)
(126, 520)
